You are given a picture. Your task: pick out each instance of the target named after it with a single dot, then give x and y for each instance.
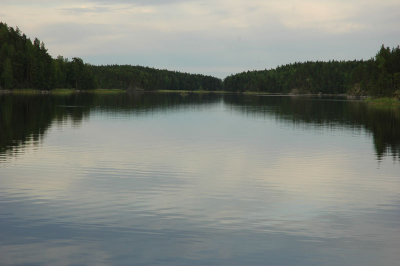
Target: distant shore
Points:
(60, 91)
(388, 101)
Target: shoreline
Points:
(392, 101)
(383, 102)
(59, 91)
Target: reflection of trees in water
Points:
(149, 103)
(383, 123)
(24, 119)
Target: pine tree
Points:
(7, 75)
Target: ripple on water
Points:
(218, 184)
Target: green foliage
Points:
(79, 75)
(33, 67)
(62, 91)
(7, 76)
(379, 76)
(385, 101)
(128, 77)
(27, 65)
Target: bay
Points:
(201, 179)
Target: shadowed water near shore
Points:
(25, 118)
(334, 112)
(165, 179)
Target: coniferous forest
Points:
(378, 76)
(25, 64)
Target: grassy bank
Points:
(62, 91)
(383, 101)
(68, 91)
(25, 91)
(107, 91)
(259, 93)
(185, 91)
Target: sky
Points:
(211, 37)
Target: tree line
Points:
(378, 76)
(27, 64)
(150, 79)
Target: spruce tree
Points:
(7, 75)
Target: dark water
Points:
(160, 179)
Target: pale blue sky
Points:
(218, 37)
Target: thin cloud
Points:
(85, 10)
(141, 2)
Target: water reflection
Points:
(25, 119)
(203, 179)
(382, 122)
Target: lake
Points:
(202, 179)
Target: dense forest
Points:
(26, 64)
(379, 76)
(148, 79)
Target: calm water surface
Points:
(162, 179)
